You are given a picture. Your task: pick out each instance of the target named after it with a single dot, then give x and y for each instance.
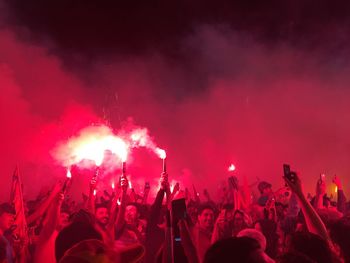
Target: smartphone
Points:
(178, 212)
(288, 173)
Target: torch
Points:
(162, 154)
(68, 178)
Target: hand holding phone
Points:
(292, 180)
(288, 173)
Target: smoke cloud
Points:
(227, 98)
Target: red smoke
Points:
(258, 106)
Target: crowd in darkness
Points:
(284, 225)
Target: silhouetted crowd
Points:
(180, 225)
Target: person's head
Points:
(131, 214)
(73, 234)
(340, 234)
(102, 214)
(255, 234)
(310, 245)
(193, 213)
(265, 188)
(238, 220)
(7, 216)
(206, 216)
(229, 212)
(235, 249)
(92, 251)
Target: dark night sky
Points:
(102, 27)
(253, 82)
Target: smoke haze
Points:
(225, 97)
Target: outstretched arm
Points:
(45, 204)
(341, 199)
(312, 219)
(90, 204)
(123, 199)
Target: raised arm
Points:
(90, 204)
(341, 199)
(146, 193)
(123, 199)
(45, 204)
(187, 243)
(40, 255)
(312, 219)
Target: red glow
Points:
(113, 186)
(231, 168)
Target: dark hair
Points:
(73, 234)
(294, 257)
(228, 206)
(312, 246)
(234, 249)
(2, 250)
(269, 228)
(101, 205)
(340, 234)
(7, 208)
(202, 207)
(134, 204)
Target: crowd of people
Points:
(121, 226)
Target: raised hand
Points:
(295, 185)
(164, 181)
(337, 182)
(176, 188)
(320, 187)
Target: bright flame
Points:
(118, 201)
(130, 185)
(231, 168)
(171, 188)
(336, 189)
(91, 144)
(95, 192)
(69, 174)
(161, 153)
(113, 186)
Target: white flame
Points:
(69, 174)
(231, 168)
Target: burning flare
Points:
(161, 153)
(231, 168)
(91, 144)
(69, 174)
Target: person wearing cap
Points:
(265, 192)
(7, 217)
